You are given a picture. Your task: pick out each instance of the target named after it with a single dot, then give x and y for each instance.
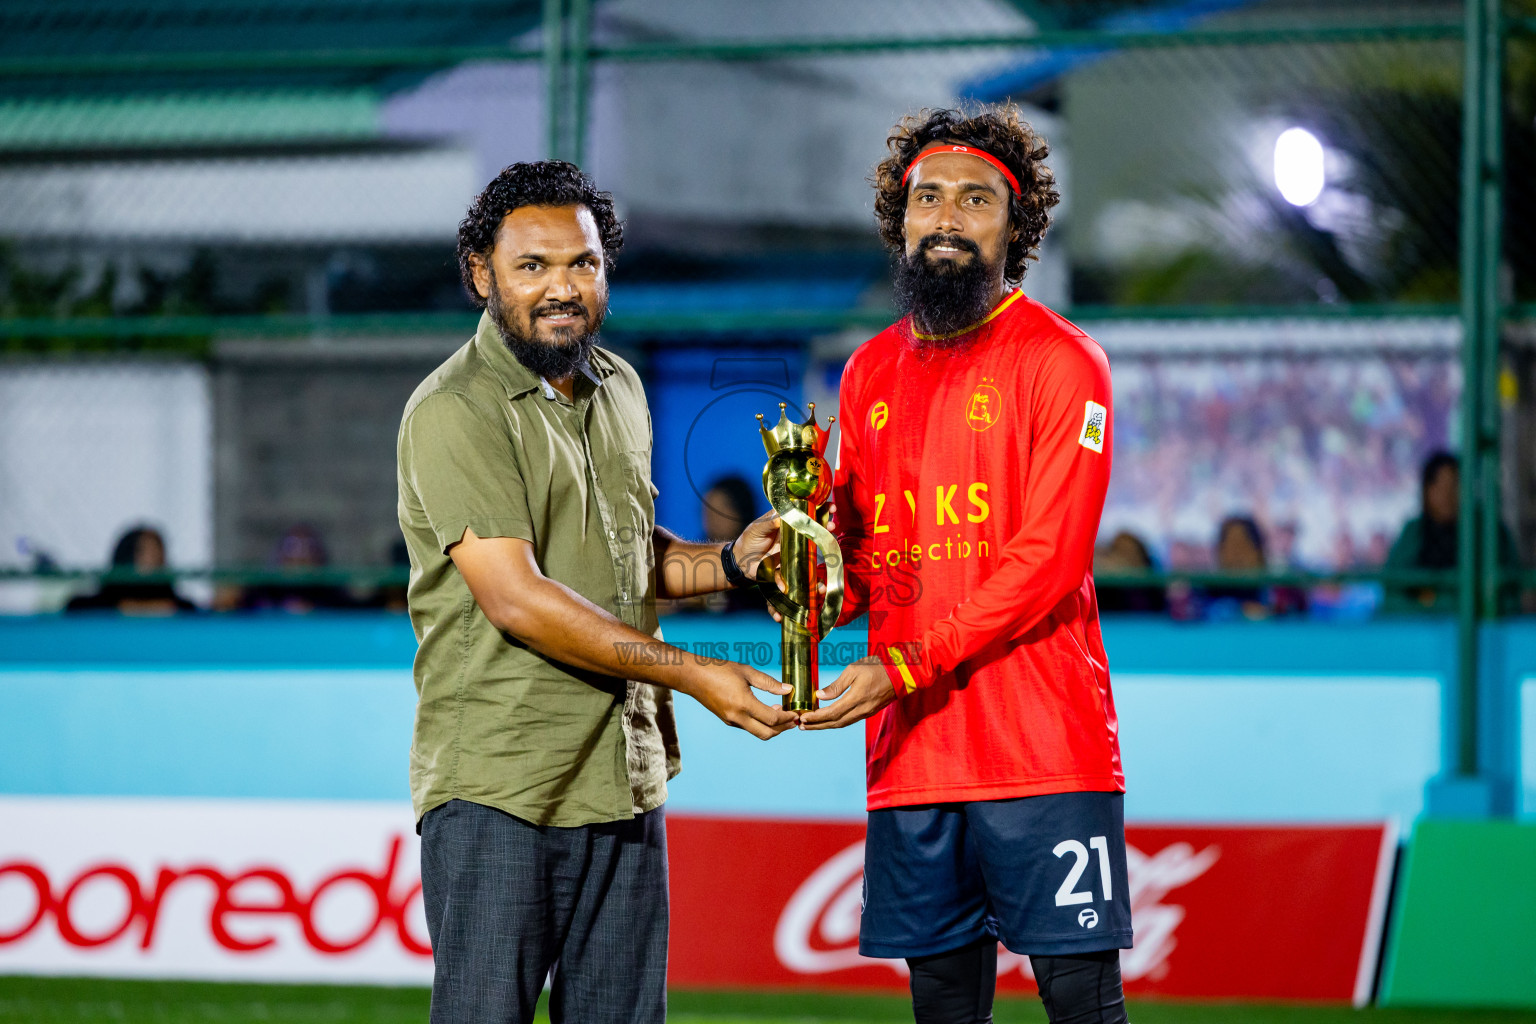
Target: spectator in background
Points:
(729, 505)
(1126, 555)
(301, 549)
(1240, 550)
(1429, 541)
(139, 552)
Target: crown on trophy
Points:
(787, 435)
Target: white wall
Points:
(89, 450)
(494, 110)
(396, 197)
(780, 141)
(790, 141)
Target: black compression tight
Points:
(1081, 989)
(957, 987)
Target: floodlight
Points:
(1299, 166)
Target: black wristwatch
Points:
(733, 574)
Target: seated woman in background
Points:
(139, 552)
(1126, 555)
(1429, 541)
(729, 505)
(1240, 549)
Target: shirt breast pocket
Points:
(627, 486)
(633, 498)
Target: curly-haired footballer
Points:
(544, 732)
(975, 452)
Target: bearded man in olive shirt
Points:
(544, 732)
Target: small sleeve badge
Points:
(1095, 417)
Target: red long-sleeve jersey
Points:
(970, 484)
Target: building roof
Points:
(102, 74)
(72, 36)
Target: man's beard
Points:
(567, 349)
(945, 296)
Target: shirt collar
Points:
(516, 378)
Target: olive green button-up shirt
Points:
(486, 445)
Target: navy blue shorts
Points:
(1045, 874)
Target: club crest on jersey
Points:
(1095, 417)
(984, 408)
(878, 414)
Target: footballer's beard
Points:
(945, 296)
(553, 353)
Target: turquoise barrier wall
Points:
(1220, 722)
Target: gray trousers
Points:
(508, 902)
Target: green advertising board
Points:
(1464, 925)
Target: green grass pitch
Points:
(60, 1000)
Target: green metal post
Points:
(1491, 87)
(1471, 378)
(554, 79)
(1482, 17)
(581, 76)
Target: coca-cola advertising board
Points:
(330, 891)
(1232, 912)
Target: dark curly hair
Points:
(544, 183)
(999, 131)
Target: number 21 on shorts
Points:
(1067, 895)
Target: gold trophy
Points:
(798, 482)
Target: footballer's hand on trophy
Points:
(828, 516)
(778, 581)
(859, 691)
(725, 688)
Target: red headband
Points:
(968, 151)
